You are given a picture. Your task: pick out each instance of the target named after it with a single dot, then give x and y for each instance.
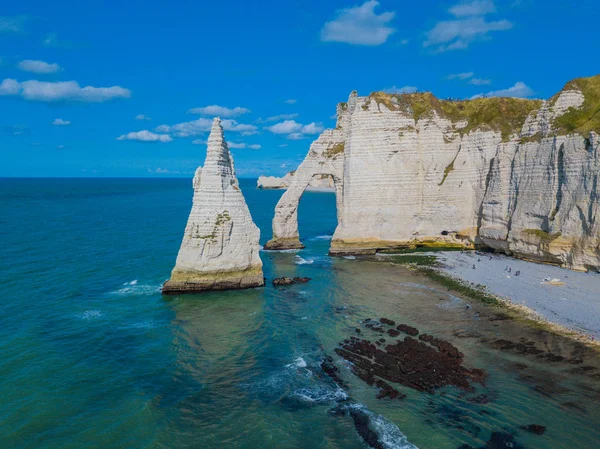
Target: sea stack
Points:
(220, 248)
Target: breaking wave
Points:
(134, 289)
(388, 434)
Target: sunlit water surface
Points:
(91, 354)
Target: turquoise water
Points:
(91, 355)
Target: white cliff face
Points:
(318, 182)
(444, 179)
(324, 158)
(220, 247)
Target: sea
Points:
(93, 356)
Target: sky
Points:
(113, 88)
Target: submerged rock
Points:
(409, 362)
(412, 331)
(283, 281)
(220, 247)
(534, 428)
(290, 281)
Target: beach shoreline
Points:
(565, 301)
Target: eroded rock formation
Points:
(220, 247)
(318, 182)
(518, 176)
(325, 157)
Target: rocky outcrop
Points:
(325, 157)
(318, 182)
(518, 176)
(220, 247)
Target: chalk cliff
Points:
(220, 247)
(318, 182)
(518, 176)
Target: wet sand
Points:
(574, 302)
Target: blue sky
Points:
(129, 88)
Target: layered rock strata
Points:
(318, 182)
(220, 247)
(517, 176)
(325, 158)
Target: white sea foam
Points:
(134, 289)
(91, 314)
(300, 362)
(147, 324)
(390, 436)
(320, 395)
(280, 250)
(350, 257)
(300, 261)
(322, 237)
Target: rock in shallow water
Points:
(409, 362)
(290, 281)
(220, 247)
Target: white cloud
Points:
(275, 118)
(359, 25)
(255, 146)
(199, 142)
(461, 76)
(296, 136)
(468, 26)
(142, 117)
(519, 90)
(404, 41)
(285, 127)
(10, 87)
(35, 66)
(60, 147)
(469, 76)
(52, 40)
(220, 111)
(60, 122)
(473, 8)
(291, 101)
(202, 125)
(61, 91)
(235, 145)
(13, 24)
(146, 136)
(291, 126)
(283, 145)
(480, 81)
(312, 128)
(400, 90)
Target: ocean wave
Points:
(320, 395)
(389, 434)
(298, 363)
(91, 314)
(322, 237)
(147, 324)
(301, 261)
(280, 250)
(350, 257)
(134, 289)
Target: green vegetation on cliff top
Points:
(584, 119)
(506, 115)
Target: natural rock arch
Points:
(326, 157)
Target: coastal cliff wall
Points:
(318, 182)
(515, 175)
